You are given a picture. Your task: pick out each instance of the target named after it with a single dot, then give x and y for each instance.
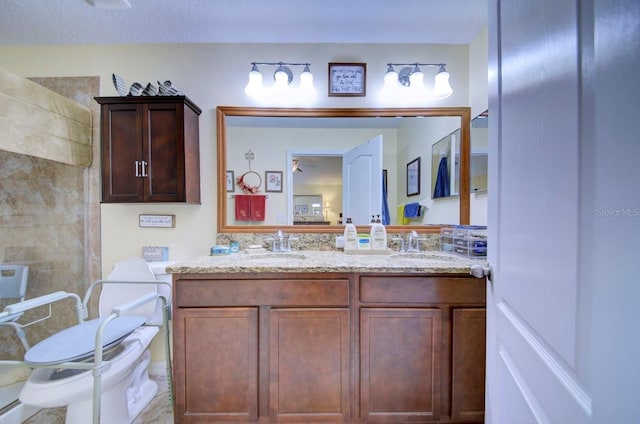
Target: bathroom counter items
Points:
(427, 262)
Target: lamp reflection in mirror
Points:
(411, 78)
(283, 77)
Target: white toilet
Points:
(126, 387)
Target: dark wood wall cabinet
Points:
(328, 347)
(150, 149)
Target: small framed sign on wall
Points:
(157, 221)
(347, 79)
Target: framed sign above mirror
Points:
(236, 125)
(347, 79)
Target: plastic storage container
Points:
(464, 240)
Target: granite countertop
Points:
(430, 262)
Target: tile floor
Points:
(158, 412)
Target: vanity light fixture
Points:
(283, 77)
(411, 77)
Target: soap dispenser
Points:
(350, 236)
(378, 235)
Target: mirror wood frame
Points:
(222, 112)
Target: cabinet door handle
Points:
(144, 169)
(137, 172)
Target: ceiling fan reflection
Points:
(297, 165)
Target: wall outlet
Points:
(281, 218)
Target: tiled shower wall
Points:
(50, 221)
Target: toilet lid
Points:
(79, 341)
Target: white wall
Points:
(478, 74)
(478, 100)
(212, 75)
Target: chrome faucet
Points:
(280, 236)
(280, 242)
(412, 244)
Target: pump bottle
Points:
(350, 236)
(378, 235)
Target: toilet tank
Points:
(136, 269)
(158, 269)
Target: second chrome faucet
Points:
(412, 244)
(280, 242)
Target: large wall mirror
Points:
(308, 147)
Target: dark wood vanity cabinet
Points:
(422, 349)
(343, 348)
(216, 364)
(150, 149)
(273, 347)
(309, 365)
(400, 366)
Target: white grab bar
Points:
(43, 300)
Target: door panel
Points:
(400, 364)
(309, 365)
(532, 304)
(362, 181)
(122, 153)
(224, 342)
(467, 367)
(164, 152)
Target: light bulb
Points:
(306, 79)
(416, 79)
(390, 78)
(254, 86)
(281, 78)
(441, 87)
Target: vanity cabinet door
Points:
(468, 364)
(215, 364)
(309, 365)
(400, 352)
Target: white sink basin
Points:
(426, 255)
(277, 256)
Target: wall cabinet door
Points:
(122, 153)
(163, 150)
(309, 365)
(215, 364)
(150, 150)
(400, 365)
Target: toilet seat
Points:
(78, 341)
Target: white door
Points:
(362, 181)
(562, 337)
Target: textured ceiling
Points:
(48, 22)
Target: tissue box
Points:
(219, 250)
(155, 253)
